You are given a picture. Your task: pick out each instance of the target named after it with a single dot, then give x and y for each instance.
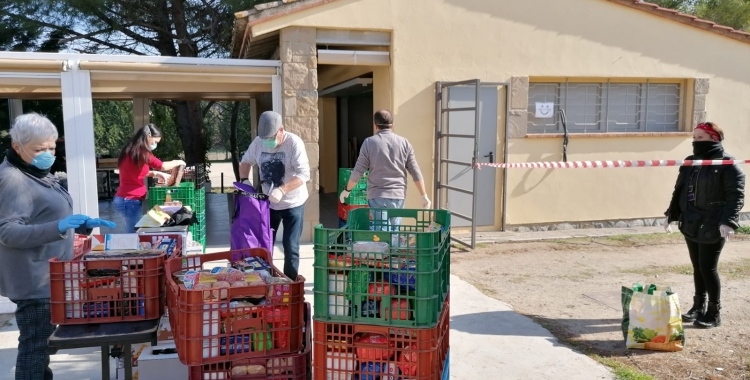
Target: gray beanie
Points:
(269, 124)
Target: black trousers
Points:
(705, 259)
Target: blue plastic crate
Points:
(447, 367)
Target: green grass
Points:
(745, 230)
(735, 270)
(653, 271)
(621, 371)
(625, 240)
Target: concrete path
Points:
(492, 341)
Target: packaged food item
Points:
(254, 279)
(121, 242)
(220, 291)
(228, 274)
(190, 279)
(278, 366)
(239, 370)
(167, 245)
(238, 284)
(179, 277)
(407, 360)
(259, 264)
(380, 288)
(156, 217)
(435, 227)
(377, 371)
(370, 250)
(373, 354)
(400, 309)
(256, 370)
(280, 288)
(402, 240)
(404, 275)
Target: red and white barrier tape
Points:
(609, 164)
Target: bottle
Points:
(168, 199)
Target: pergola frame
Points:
(70, 76)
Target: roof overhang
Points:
(37, 76)
(246, 45)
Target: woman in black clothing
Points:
(706, 203)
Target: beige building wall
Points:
(450, 40)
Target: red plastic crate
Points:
(210, 330)
(288, 367)
(354, 351)
(136, 293)
(344, 209)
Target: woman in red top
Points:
(134, 163)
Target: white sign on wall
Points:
(545, 110)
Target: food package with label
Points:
(370, 250)
(403, 240)
(156, 217)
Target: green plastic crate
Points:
(198, 230)
(404, 286)
(358, 195)
(185, 193)
(344, 175)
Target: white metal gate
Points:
(445, 135)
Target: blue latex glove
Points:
(71, 221)
(96, 222)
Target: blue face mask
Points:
(43, 161)
(152, 147)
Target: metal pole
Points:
(222, 182)
(474, 189)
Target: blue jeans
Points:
(382, 216)
(130, 209)
(292, 219)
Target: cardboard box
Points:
(165, 334)
(162, 366)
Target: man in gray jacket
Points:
(388, 157)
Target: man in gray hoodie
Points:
(388, 157)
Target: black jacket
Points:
(719, 196)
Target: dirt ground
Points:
(572, 287)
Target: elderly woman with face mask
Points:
(706, 203)
(36, 224)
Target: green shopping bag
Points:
(651, 318)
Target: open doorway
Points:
(345, 122)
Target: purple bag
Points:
(251, 222)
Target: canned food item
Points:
(179, 277)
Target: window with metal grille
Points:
(605, 107)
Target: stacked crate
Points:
(95, 287)
(221, 338)
(357, 197)
(381, 297)
(190, 196)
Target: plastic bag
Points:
(652, 318)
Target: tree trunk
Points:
(192, 133)
(233, 140)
